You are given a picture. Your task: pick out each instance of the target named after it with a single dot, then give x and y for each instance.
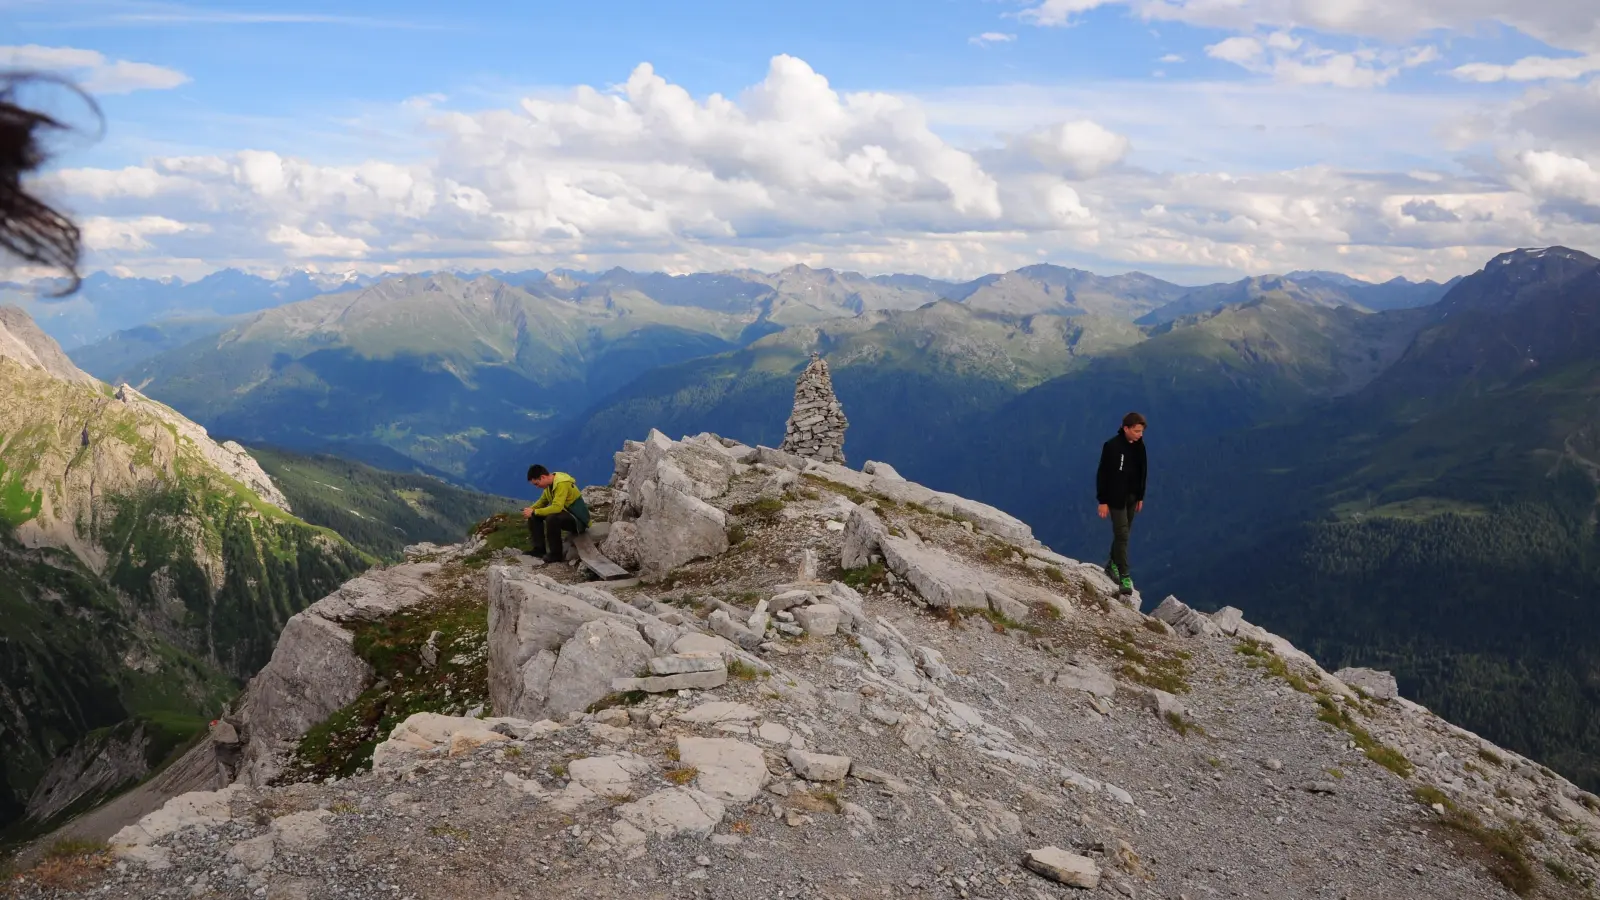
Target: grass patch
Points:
(866, 576)
(499, 532)
(1055, 574)
(1155, 625)
(342, 744)
(1337, 774)
(449, 831)
(1563, 873)
(1259, 656)
(743, 671)
(1502, 849)
(70, 864)
(763, 508)
(736, 534)
(1489, 756)
(559, 769)
(1181, 725)
(620, 698)
(1380, 753)
(672, 753)
(998, 620)
(1144, 664)
(681, 776)
(843, 490)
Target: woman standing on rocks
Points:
(1119, 487)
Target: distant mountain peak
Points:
(1531, 254)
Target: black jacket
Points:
(1122, 472)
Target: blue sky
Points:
(1191, 138)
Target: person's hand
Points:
(527, 512)
(1104, 510)
(1139, 507)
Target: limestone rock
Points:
(683, 681)
(725, 626)
(599, 653)
(1185, 620)
(1087, 678)
(1377, 685)
(938, 577)
(729, 770)
(679, 663)
(821, 620)
(528, 624)
(674, 812)
(816, 426)
(1228, 619)
(674, 525)
(1065, 868)
(863, 536)
(818, 766)
(621, 545)
(881, 470)
(300, 832)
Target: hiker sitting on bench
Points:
(560, 509)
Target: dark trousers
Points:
(1121, 527)
(544, 532)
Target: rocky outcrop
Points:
(816, 426)
(315, 670)
(22, 340)
(228, 457)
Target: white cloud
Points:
(1171, 58)
(1291, 59)
(92, 70)
(1569, 24)
(1555, 176)
(1060, 12)
(1081, 147)
(1531, 68)
(1249, 177)
(989, 38)
(103, 233)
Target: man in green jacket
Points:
(559, 509)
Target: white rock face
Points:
(22, 340)
(228, 457)
(201, 808)
(672, 813)
(529, 622)
(941, 580)
(820, 620)
(1378, 685)
(1065, 868)
(1184, 619)
(729, 770)
(600, 652)
(864, 533)
(818, 766)
(314, 671)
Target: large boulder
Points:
(528, 624)
(676, 526)
(863, 536)
(621, 545)
(1375, 684)
(938, 577)
(600, 652)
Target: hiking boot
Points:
(1127, 586)
(1113, 573)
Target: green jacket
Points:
(563, 495)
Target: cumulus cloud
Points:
(791, 170)
(989, 38)
(1081, 148)
(92, 70)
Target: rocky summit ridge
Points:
(834, 684)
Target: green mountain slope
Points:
(378, 511)
(908, 380)
(434, 368)
(1440, 522)
(144, 570)
(111, 356)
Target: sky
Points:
(1196, 140)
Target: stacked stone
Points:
(816, 427)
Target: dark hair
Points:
(537, 472)
(1132, 419)
(29, 228)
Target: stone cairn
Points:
(816, 427)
